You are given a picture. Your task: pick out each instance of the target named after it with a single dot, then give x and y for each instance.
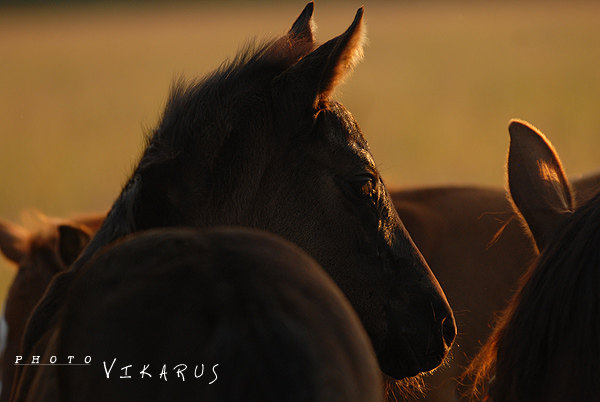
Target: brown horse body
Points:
(455, 228)
(477, 249)
(260, 143)
(546, 346)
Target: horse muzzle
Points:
(415, 344)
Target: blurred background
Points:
(81, 82)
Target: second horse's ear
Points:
(71, 242)
(537, 182)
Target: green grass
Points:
(79, 87)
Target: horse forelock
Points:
(547, 342)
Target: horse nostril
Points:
(448, 330)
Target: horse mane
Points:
(546, 344)
(203, 119)
(212, 99)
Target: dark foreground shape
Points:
(261, 143)
(546, 347)
(263, 319)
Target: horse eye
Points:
(364, 184)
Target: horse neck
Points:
(550, 344)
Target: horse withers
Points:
(225, 314)
(546, 345)
(39, 252)
(261, 143)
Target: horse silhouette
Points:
(261, 143)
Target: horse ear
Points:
(91, 222)
(313, 78)
(14, 241)
(537, 182)
(303, 27)
(300, 39)
(71, 241)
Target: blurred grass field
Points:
(80, 85)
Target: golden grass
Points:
(434, 94)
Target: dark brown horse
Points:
(38, 254)
(546, 346)
(216, 315)
(261, 143)
(477, 249)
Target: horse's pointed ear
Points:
(303, 27)
(298, 41)
(537, 182)
(14, 241)
(71, 241)
(313, 78)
